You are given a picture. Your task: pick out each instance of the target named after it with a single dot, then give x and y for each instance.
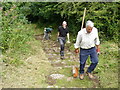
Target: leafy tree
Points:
(104, 15)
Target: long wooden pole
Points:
(75, 68)
(83, 18)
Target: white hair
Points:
(89, 23)
(64, 22)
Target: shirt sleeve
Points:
(78, 40)
(97, 41)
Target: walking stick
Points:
(75, 68)
(83, 18)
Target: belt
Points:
(87, 49)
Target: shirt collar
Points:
(85, 30)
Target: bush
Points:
(15, 32)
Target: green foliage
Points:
(105, 18)
(43, 11)
(15, 33)
(103, 14)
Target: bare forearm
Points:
(68, 37)
(58, 34)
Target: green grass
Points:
(108, 65)
(20, 51)
(74, 82)
(17, 63)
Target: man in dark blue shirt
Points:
(63, 32)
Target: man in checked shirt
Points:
(88, 42)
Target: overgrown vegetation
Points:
(104, 15)
(18, 32)
(15, 32)
(15, 15)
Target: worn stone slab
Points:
(57, 76)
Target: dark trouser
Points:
(62, 41)
(84, 53)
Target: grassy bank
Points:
(30, 66)
(27, 68)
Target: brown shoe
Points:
(91, 76)
(81, 76)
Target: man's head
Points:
(64, 24)
(44, 28)
(89, 26)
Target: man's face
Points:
(89, 29)
(64, 25)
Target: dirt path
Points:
(51, 48)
